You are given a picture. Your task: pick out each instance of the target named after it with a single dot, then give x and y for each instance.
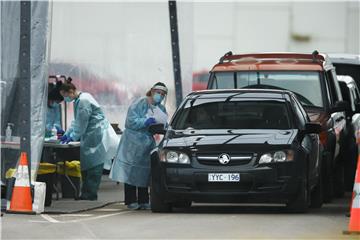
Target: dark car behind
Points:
(313, 79)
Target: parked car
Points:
(347, 65)
(351, 94)
(256, 146)
(313, 79)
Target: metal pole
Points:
(175, 51)
(25, 80)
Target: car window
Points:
(234, 114)
(357, 94)
(306, 85)
(226, 81)
(345, 91)
(353, 98)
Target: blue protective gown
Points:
(53, 117)
(132, 162)
(98, 140)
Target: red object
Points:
(270, 61)
(21, 200)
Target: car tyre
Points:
(350, 165)
(300, 203)
(317, 193)
(339, 186)
(327, 178)
(158, 205)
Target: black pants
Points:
(136, 194)
(91, 179)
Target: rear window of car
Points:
(234, 114)
(306, 85)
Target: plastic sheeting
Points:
(116, 51)
(10, 84)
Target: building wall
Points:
(269, 27)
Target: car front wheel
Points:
(158, 205)
(301, 202)
(317, 193)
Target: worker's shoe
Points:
(145, 206)
(133, 206)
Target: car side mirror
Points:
(312, 128)
(340, 106)
(157, 129)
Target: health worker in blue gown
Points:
(53, 113)
(98, 140)
(132, 162)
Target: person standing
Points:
(53, 114)
(98, 140)
(131, 165)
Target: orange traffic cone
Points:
(354, 224)
(21, 200)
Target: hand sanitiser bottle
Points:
(8, 133)
(54, 133)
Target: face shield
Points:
(159, 93)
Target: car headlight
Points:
(174, 157)
(278, 156)
(266, 158)
(183, 158)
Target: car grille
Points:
(213, 159)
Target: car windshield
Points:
(232, 114)
(306, 85)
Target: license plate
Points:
(224, 177)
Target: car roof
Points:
(273, 61)
(345, 58)
(241, 93)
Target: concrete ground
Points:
(200, 222)
(109, 192)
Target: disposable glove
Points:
(63, 138)
(66, 139)
(69, 139)
(149, 121)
